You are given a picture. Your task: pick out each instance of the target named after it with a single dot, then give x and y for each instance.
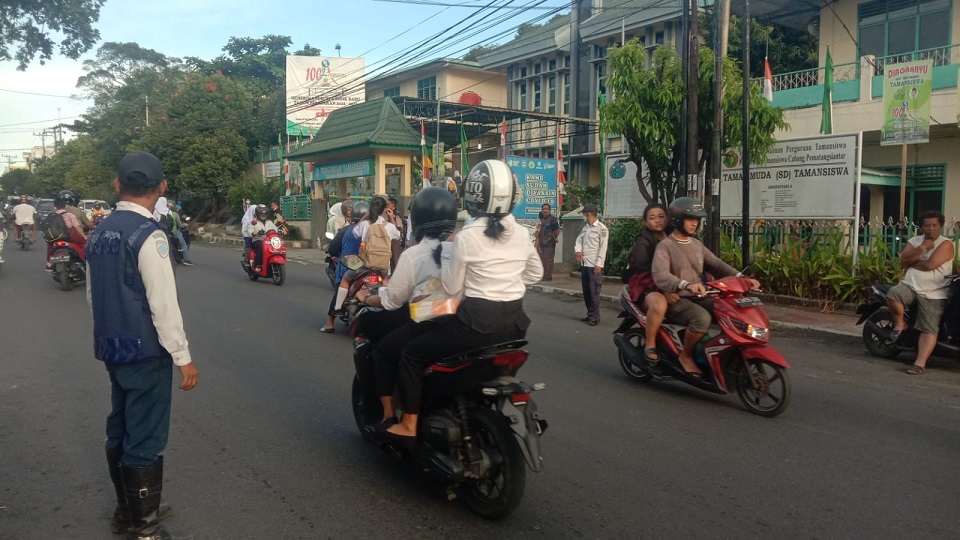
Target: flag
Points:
(464, 155)
(285, 164)
(767, 80)
(601, 101)
(826, 115)
(561, 172)
(423, 156)
(503, 142)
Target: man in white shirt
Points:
(591, 249)
(24, 214)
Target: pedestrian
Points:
(591, 250)
(138, 334)
(548, 232)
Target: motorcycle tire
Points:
(363, 411)
(637, 338)
(63, 276)
(279, 273)
(875, 343)
(24, 244)
(498, 493)
(752, 394)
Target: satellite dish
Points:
(813, 26)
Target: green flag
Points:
(826, 118)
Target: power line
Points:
(37, 94)
(38, 121)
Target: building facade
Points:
(443, 79)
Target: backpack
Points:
(376, 252)
(54, 228)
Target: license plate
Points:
(60, 259)
(748, 301)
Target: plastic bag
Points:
(432, 302)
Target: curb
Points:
(233, 240)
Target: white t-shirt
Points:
(360, 231)
(929, 283)
(23, 214)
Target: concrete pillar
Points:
(866, 78)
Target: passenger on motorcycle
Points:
(378, 214)
(340, 216)
(278, 219)
(344, 245)
(928, 259)
(678, 266)
(97, 214)
(417, 275)
(77, 235)
(259, 227)
(24, 214)
(490, 262)
(72, 201)
(177, 227)
(640, 283)
(249, 213)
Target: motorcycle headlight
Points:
(756, 332)
(276, 242)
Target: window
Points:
(926, 193)
(566, 93)
(536, 95)
(601, 73)
(392, 92)
(658, 39)
(427, 88)
(566, 61)
(552, 95)
(536, 68)
(905, 30)
(599, 52)
(553, 65)
(523, 72)
(522, 93)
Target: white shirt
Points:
(929, 283)
(161, 287)
(23, 214)
(497, 270)
(592, 242)
(415, 270)
(362, 228)
(262, 227)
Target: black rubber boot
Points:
(142, 487)
(121, 516)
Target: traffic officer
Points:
(138, 334)
(591, 250)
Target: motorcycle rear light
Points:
(511, 360)
(519, 399)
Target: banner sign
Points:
(622, 197)
(345, 169)
(537, 181)
(906, 103)
(274, 169)
(810, 178)
(319, 85)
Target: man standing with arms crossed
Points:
(591, 249)
(138, 334)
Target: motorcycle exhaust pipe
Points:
(633, 354)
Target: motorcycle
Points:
(273, 260)
(478, 425)
(332, 263)
(26, 237)
(877, 324)
(367, 278)
(733, 355)
(69, 264)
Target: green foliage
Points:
(479, 50)
(623, 235)
(76, 166)
(18, 182)
(254, 188)
(646, 110)
(26, 25)
(578, 194)
(788, 49)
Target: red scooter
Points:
(367, 278)
(273, 260)
(69, 264)
(733, 355)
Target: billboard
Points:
(621, 195)
(319, 85)
(810, 178)
(906, 103)
(537, 180)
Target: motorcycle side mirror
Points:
(329, 235)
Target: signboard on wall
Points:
(906, 103)
(344, 169)
(319, 85)
(537, 179)
(810, 178)
(621, 196)
(274, 169)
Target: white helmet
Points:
(490, 189)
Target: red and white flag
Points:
(767, 80)
(561, 171)
(503, 142)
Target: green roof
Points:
(376, 123)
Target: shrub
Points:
(623, 234)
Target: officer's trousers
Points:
(139, 423)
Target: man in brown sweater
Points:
(678, 265)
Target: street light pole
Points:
(745, 157)
(684, 141)
(711, 195)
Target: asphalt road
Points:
(265, 447)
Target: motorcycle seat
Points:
(490, 350)
(884, 288)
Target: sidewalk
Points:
(781, 316)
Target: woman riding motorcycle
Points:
(417, 275)
(348, 245)
(259, 227)
(490, 262)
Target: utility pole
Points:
(146, 101)
(684, 42)
(745, 158)
(711, 195)
(693, 96)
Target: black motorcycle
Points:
(331, 271)
(69, 265)
(478, 424)
(878, 323)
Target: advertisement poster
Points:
(537, 179)
(810, 178)
(906, 103)
(622, 197)
(319, 85)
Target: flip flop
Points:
(325, 330)
(652, 359)
(915, 370)
(893, 336)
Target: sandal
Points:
(893, 336)
(915, 370)
(651, 355)
(325, 330)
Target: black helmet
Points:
(68, 196)
(346, 206)
(490, 189)
(359, 209)
(261, 212)
(433, 213)
(684, 207)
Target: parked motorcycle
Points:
(878, 323)
(367, 278)
(273, 260)
(733, 355)
(478, 423)
(69, 264)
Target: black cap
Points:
(590, 208)
(144, 163)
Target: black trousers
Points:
(591, 283)
(478, 323)
(257, 251)
(387, 353)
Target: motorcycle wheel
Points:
(63, 276)
(875, 343)
(498, 492)
(279, 273)
(24, 244)
(638, 339)
(360, 408)
(770, 394)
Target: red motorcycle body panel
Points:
(765, 353)
(269, 254)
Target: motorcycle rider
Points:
(24, 214)
(377, 213)
(490, 262)
(678, 265)
(258, 229)
(72, 201)
(97, 214)
(928, 259)
(417, 275)
(77, 235)
(176, 230)
(348, 245)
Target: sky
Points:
(201, 28)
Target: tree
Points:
(17, 182)
(646, 106)
(479, 51)
(788, 49)
(26, 26)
